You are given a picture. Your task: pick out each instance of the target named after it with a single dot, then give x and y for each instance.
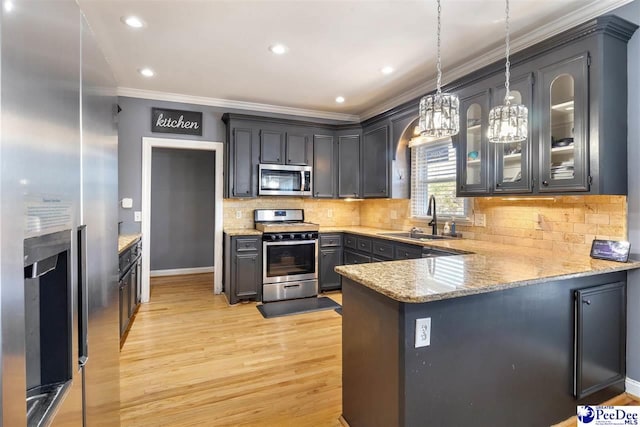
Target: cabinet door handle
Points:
(278, 159)
(324, 254)
(586, 301)
(498, 185)
(545, 183)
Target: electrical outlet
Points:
(238, 214)
(137, 216)
(423, 332)
(329, 213)
(480, 220)
(393, 214)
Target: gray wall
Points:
(182, 208)
(631, 12)
(134, 123)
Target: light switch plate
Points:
(423, 332)
(480, 220)
(127, 203)
(238, 214)
(393, 214)
(137, 216)
(329, 213)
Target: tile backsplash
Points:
(560, 224)
(324, 212)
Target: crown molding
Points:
(577, 17)
(235, 105)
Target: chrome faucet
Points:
(434, 218)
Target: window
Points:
(433, 172)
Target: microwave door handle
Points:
(303, 184)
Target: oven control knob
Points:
(307, 236)
(272, 237)
(280, 236)
(293, 236)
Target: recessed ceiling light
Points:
(147, 72)
(340, 99)
(132, 21)
(8, 5)
(387, 70)
(278, 49)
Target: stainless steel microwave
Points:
(285, 180)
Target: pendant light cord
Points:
(507, 73)
(439, 65)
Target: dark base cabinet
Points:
(501, 359)
(130, 287)
(330, 256)
(242, 268)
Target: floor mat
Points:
(296, 306)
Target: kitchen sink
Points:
(416, 236)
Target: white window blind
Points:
(433, 172)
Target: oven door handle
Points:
(292, 286)
(291, 243)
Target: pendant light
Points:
(508, 122)
(439, 113)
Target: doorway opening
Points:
(184, 146)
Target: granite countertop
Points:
(488, 267)
(125, 241)
(242, 232)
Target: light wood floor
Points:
(191, 360)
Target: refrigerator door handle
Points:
(83, 297)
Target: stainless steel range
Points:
(289, 254)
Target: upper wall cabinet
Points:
(376, 161)
(324, 166)
(512, 172)
(575, 86)
(473, 145)
(271, 146)
(349, 165)
(564, 142)
(296, 149)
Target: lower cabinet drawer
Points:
(244, 244)
(355, 258)
(364, 245)
(289, 290)
(381, 249)
(407, 252)
(330, 240)
(350, 241)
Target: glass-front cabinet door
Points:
(473, 145)
(512, 171)
(564, 133)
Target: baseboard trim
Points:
(343, 421)
(181, 271)
(632, 387)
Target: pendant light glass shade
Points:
(439, 112)
(439, 115)
(508, 122)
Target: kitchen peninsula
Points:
(514, 337)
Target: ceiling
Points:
(218, 50)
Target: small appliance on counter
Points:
(289, 254)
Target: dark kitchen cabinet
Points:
(351, 257)
(376, 162)
(330, 257)
(473, 143)
(242, 268)
(129, 286)
(600, 331)
(512, 170)
(564, 133)
(271, 146)
(349, 166)
(577, 134)
(242, 165)
(324, 166)
(296, 149)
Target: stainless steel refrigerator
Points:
(58, 222)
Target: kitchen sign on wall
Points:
(176, 121)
